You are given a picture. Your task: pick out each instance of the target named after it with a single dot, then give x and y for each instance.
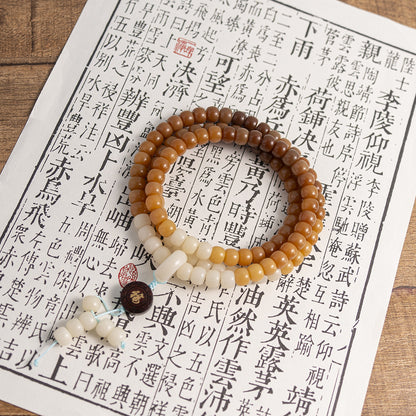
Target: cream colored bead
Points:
(116, 337)
(198, 275)
(190, 245)
(212, 279)
(204, 251)
(104, 327)
(62, 336)
(145, 233)
(152, 244)
(184, 272)
(206, 264)
(88, 321)
(75, 327)
(160, 255)
(219, 266)
(192, 259)
(91, 303)
(227, 279)
(275, 276)
(170, 265)
(141, 220)
(176, 239)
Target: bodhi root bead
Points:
(202, 262)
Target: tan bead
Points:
(297, 239)
(298, 259)
(291, 156)
(187, 118)
(155, 137)
(269, 247)
(276, 164)
(313, 238)
(166, 228)
(285, 230)
(258, 254)
(307, 216)
(269, 266)
(175, 122)
(245, 257)
(294, 196)
(303, 228)
(158, 215)
(142, 158)
(137, 195)
(177, 144)
(309, 191)
(255, 272)
(200, 115)
(169, 154)
(300, 166)
(155, 175)
(291, 220)
(310, 204)
(138, 208)
(320, 214)
(215, 134)
(217, 255)
(137, 182)
(242, 277)
(153, 188)
(306, 179)
(289, 249)
(307, 249)
(291, 184)
(294, 209)
(190, 140)
(288, 268)
(138, 170)
(280, 259)
(278, 239)
(154, 201)
(241, 136)
(280, 147)
(148, 147)
(160, 163)
(231, 257)
(285, 173)
(267, 143)
(202, 135)
(165, 128)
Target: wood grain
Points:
(32, 36)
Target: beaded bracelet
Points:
(280, 255)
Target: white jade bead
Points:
(198, 275)
(88, 320)
(145, 233)
(170, 265)
(227, 279)
(275, 276)
(116, 336)
(91, 303)
(104, 327)
(160, 254)
(204, 251)
(75, 327)
(62, 336)
(184, 272)
(141, 220)
(190, 245)
(206, 264)
(192, 259)
(220, 267)
(212, 279)
(152, 244)
(176, 239)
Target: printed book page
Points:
(343, 93)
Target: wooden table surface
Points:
(33, 33)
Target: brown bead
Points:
(165, 128)
(136, 297)
(291, 184)
(266, 157)
(307, 249)
(307, 216)
(254, 139)
(318, 226)
(226, 115)
(285, 230)
(269, 266)
(291, 156)
(215, 134)
(309, 191)
(288, 268)
(181, 132)
(313, 238)
(217, 255)
(275, 133)
(208, 125)
(245, 257)
(269, 247)
(137, 182)
(175, 122)
(320, 214)
(306, 179)
(294, 196)
(263, 128)
(285, 173)
(222, 126)
(231, 257)
(138, 208)
(294, 209)
(187, 118)
(255, 272)
(258, 254)
(310, 204)
(267, 143)
(166, 228)
(213, 114)
(276, 164)
(291, 220)
(300, 166)
(321, 199)
(190, 140)
(241, 136)
(297, 239)
(148, 147)
(303, 228)
(137, 195)
(238, 118)
(159, 149)
(318, 186)
(179, 146)
(250, 122)
(202, 135)
(298, 259)
(154, 201)
(200, 115)
(142, 158)
(155, 175)
(289, 249)
(278, 239)
(138, 170)
(155, 137)
(160, 163)
(228, 134)
(194, 127)
(280, 259)
(158, 215)
(280, 148)
(313, 173)
(242, 277)
(169, 154)
(153, 188)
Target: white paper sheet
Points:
(343, 93)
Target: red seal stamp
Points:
(127, 274)
(184, 47)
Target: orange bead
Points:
(138, 170)
(280, 259)
(307, 216)
(285, 230)
(217, 255)
(320, 214)
(288, 268)
(215, 134)
(200, 115)
(300, 167)
(155, 137)
(318, 226)
(269, 247)
(307, 249)
(165, 128)
(269, 266)
(169, 154)
(231, 257)
(148, 147)
(153, 188)
(138, 208)
(258, 254)
(278, 239)
(242, 277)
(137, 182)
(213, 114)
(158, 215)
(289, 249)
(187, 118)
(298, 259)
(202, 135)
(291, 220)
(306, 179)
(166, 228)
(178, 145)
(155, 175)
(175, 122)
(313, 238)
(321, 200)
(303, 228)
(297, 239)
(142, 158)
(309, 191)
(154, 201)
(310, 204)
(255, 272)
(245, 257)
(137, 195)
(160, 163)
(190, 140)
